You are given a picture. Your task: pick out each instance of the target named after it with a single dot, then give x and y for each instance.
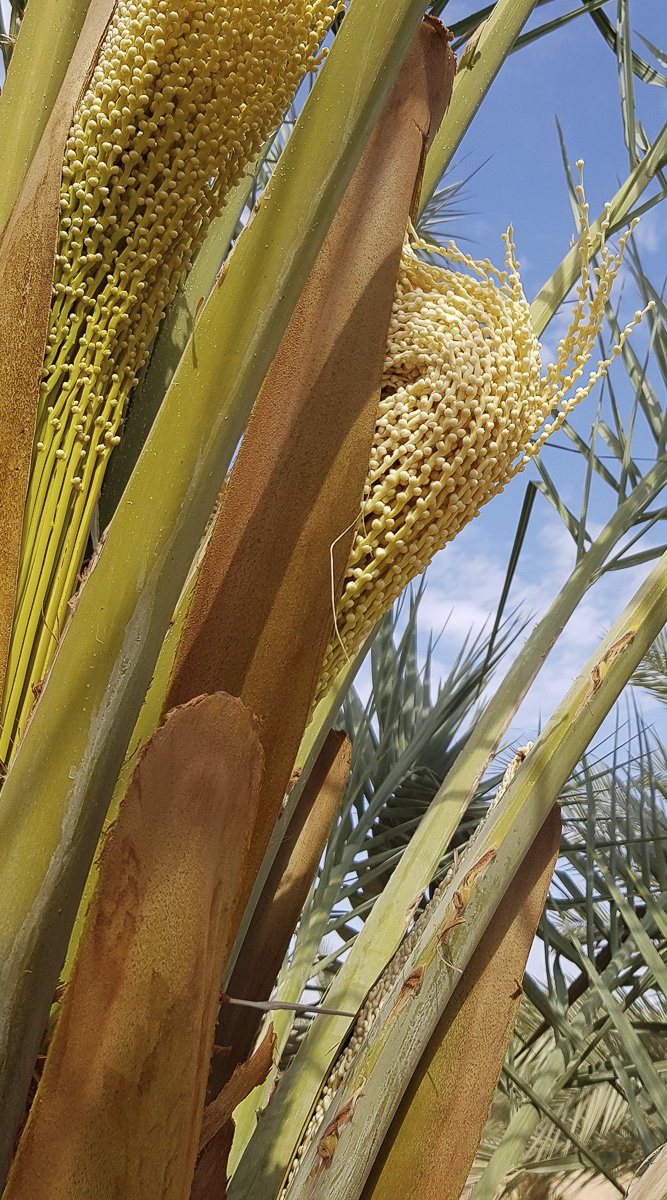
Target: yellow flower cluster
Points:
(183, 96)
(462, 399)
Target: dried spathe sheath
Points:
(462, 401)
(183, 96)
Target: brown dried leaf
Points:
(432, 1140)
(261, 612)
(600, 669)
(27, 251)
(248, 1075)
(410, 988)
(118, 1111)
(283, 895)
(341, 1119)
(470, 878)
(217, 1130)
(210, 1179)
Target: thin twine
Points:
(333, 588)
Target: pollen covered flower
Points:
(463, 408)
(181, 99)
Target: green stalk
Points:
(383, 930)
(394, 1045)
(59, 785)
(472, 82)
(47, 37)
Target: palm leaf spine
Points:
(277, 914)
(312, 742)
(432, 1141)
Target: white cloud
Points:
(649, 234)
(555, 330)
(462, 593)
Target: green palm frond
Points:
(403, 743)
(613, 36)
(444, 206)
(466, 26)
(9, 30)
(655, 51)
(587, 1070)
(627, 438)
(652, 672)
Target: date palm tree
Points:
(167, 683)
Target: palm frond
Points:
(586, 1076)
(627, 438)
(651, 674)
(403, 743)
(445, 206)
(640, 68)
(657, 53)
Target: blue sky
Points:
(572, 75)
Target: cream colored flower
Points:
(462, 410)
